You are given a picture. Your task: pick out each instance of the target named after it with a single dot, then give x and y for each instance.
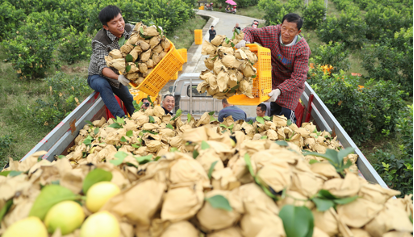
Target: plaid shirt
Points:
(99, 51)
(289, 63)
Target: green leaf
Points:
(14, 173)
(135, 146)
(267, 118)
(254, 76)
(121, 41)
(177, 114)
(289, 122)
(151, 119)
(121, 156)
(211, 113)
(250, 122)
(115, 125)
(188, 118)
(128, 68)
(222, 125)
(95, 176)
(265, 189)
(204, 145)
(210, 171)
(195, 154)
(48, 197)
(326, 194)
(232, 44)
(5, 208)
(297, 221)
(129, 58)
(263, 137)
(312, 161)
(260, 120)
(144, 159)
(89, 122)
(96, 131)
(212, 119)
(282, 143)
(119, 120)
(61, 156)
(173, 149)
(88, 140)
(5, 173)
(323, 204)
(344, 152)
(123, 139)
(170, 126)
(129, 133)
(219, 201)
(343, 201)
(249, 164)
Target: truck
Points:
(189, 100)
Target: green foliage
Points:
(66, 93)
(313, 14)
(383, 22)
(397, 169)
(363, 112)
(332, 54)
(350, 28)
(74, 45)
(5, 142)
(275, 10)
(10, 18)
(393, 60)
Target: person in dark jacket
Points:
(232, 110)
(212, 33)
(101, 78)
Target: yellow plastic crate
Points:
(262, 84)
(162, 73)
(175, 76)
(198, 36)
(139, 95)
(201, 8)
(183, 53)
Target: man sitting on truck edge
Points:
(290, 55)
(260, 112)
(101, 78)
(168, 104)
(232, 110)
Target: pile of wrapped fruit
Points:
(145, 48)
(229, 71)
(155, 175)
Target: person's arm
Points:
(220, 116)
(265, 36)
(299, 74)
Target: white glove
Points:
(242, 43)
(273, 95)
(122, 79)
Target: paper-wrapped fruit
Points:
(156, 175)
(229, 71)
(144, 49)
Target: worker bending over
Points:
(290, 55)
(101, 78)
(232, 110)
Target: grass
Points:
(252, 11)
(183, 37)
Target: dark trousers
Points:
(101, 85)
(276, 109)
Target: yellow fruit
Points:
(30, 226)
(99, 193)
(66, 215)
(100, 224)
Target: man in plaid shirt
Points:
(107, 81)
(290, 55)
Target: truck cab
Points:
(189, 100)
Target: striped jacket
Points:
(289, 64)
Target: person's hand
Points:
(242, 43)
(122, 79)
(273, 95)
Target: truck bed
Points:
(93, 108)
